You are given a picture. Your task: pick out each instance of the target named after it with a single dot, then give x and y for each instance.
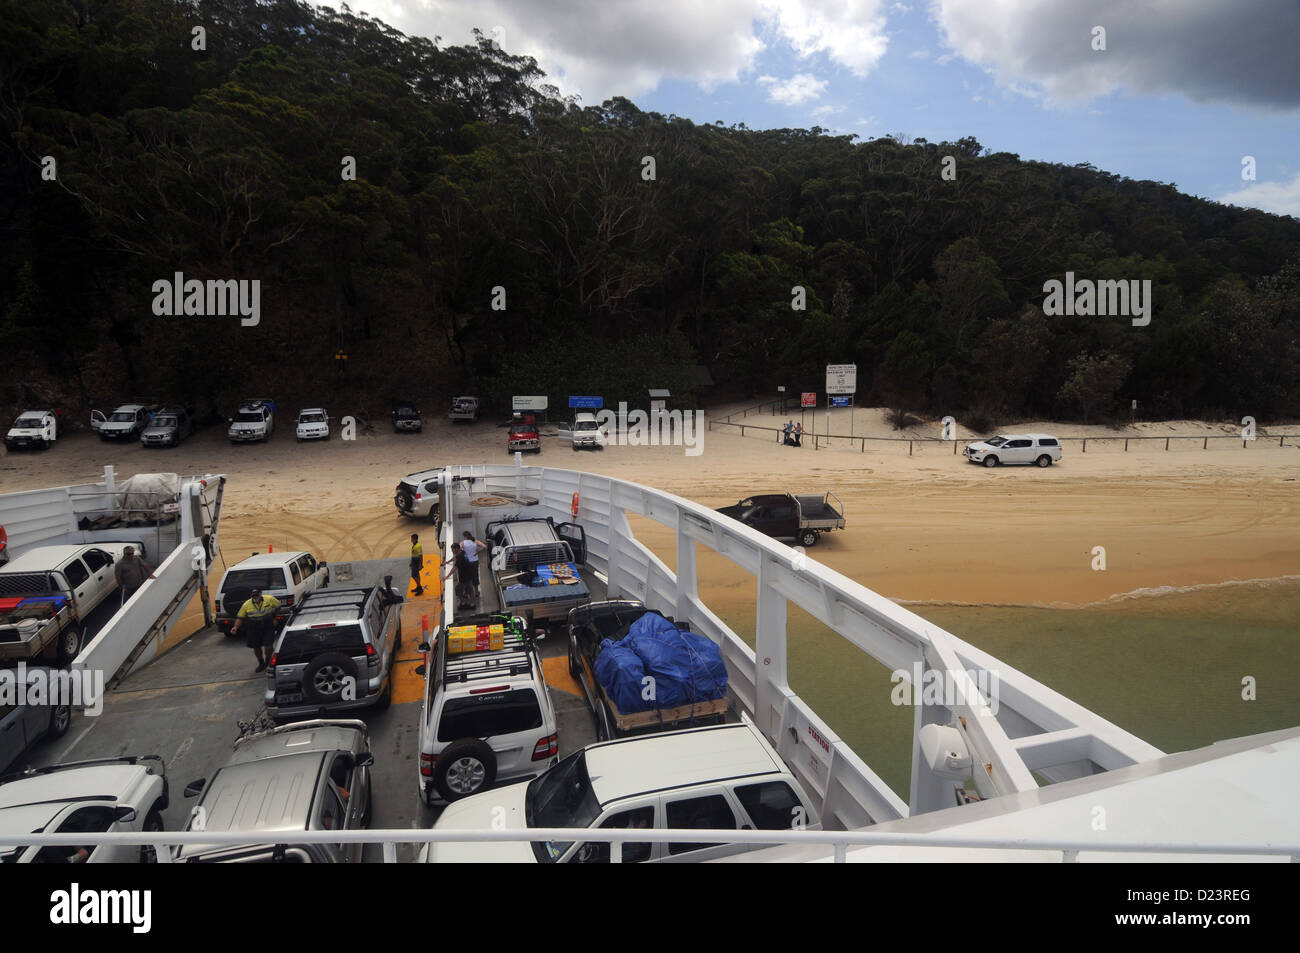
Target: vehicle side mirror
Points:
(419, 670)
(195, 788)
(423, 646)
(365, 760)
(124, 815)
(539, 635)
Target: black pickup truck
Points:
(788, 516)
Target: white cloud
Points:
(598, 49)
(850, 32)
(1280, 198)
(919, 55)
(825, 110)
(791, 92)
(1241, 51)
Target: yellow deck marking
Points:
(557, 675)
(430, 580)
(407, 686)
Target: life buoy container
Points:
(574, 508)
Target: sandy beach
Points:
(922, 528)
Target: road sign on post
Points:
(841, 378)
(808, 399)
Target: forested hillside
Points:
(475, 181)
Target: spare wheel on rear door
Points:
(465, 767)
(325, 677)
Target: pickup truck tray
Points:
(663, 716)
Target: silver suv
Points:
(487, 716)
(417, 494)
(336, 653)
(309, 776)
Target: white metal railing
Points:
(839, 841)
(848, 792)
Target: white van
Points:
(287, 576)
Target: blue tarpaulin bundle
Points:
(685, 667)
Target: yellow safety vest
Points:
(417, 551)
(250, 611)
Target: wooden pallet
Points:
(663, 716)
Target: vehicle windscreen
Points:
(164, 422)
(303, 645)
(586, 425)
(406, 410)
(312, 419)
(562, 797)
(491, 713)
(248, 417)
(28, 422)
(523, 429)
(122, 417)
(272, 577)
(996, 441)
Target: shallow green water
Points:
(1167, 668)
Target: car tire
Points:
(322, 679)
(808, 538)
(45, 444)
(574, 670)
(385, 699)
(152, 822)
(1044, 461)
(60, 721)
(69, 645)
(404, 501)
(464, 768)
(397, 642)
(990, 461)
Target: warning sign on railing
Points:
(808, 399)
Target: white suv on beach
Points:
(416, 494)
(313, 424)
(1039, 449)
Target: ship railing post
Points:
(1070, 856)
(616, 852)
(390, 852)
(841, 852)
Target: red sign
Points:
(808, 399)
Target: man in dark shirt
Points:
(131, 571)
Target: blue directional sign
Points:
(840, 401)
(592, 403)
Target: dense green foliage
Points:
(472, 175)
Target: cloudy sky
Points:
(1183, 91)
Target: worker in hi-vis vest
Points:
(417, 563)
(259, 613)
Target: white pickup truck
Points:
(48, 592)
(254, 421)
(33, 428)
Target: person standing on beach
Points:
(789, 426)
(798, 435)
